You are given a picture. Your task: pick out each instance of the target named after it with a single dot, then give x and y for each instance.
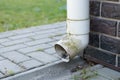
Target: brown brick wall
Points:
(104, 45)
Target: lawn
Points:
(17, 14)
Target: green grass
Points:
(17, 14)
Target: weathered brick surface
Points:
(103, 26)
(119, 30)
(95, 8)
(111, 10)
(105, 32)
(110, 44)
(101, 55)
(119, 61)
(94, 39)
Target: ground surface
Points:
(22, 50)
(16, 14)
(28, 54)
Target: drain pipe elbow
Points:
(77, 37)
(70, 46)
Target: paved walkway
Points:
(28, 49)
(25, 49)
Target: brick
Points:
(109, 73)
(110, 44)
(119, 30)
(95, 8)
(13, 42)
(16, 57)
(7, 66)
(111, 10)
(119, 61)
(103, 26)
(100, 55)
(43, 57)
(22, 36)
(34, 48)
(40, 41)
(31, 64)
(94, 39)
(11, 48)
(50, 50)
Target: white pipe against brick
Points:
(77, 30)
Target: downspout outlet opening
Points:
(62, 53)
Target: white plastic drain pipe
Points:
(77, 37)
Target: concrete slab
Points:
(8, 67)
(109, 73)
(31, 64)
(43, 57)
(16, 56)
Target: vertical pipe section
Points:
(77, 9)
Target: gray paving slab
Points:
(31, 64)
(1, 75)
(43, 57)
(18, 41)
(15, 45)
(22, 36)
(11, 48)
(6, 34)
(40, 47)
(52, 43)
(50, 50)
(16, 56)
(40, 41)
(42, 36)
(58, 37)
(98, 78)
(1, 46)
(1, 58)
(25, 31)
(45, 31)
(8, 67)
(109, 73)
(4, 40)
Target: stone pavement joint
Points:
(25, 49)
